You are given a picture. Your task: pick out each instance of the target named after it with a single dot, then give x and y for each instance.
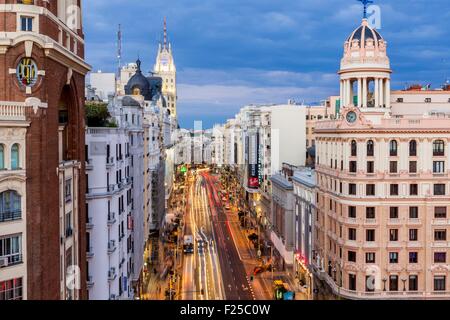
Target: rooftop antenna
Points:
(365, 4)
(119, 48)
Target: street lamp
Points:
(404, 283)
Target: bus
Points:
(188, 244)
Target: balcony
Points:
(440, 222)
(90, 282)
(90, 252)
(89, 164)
(370, 222)
(10, 215)
(109, 162)
(89, 223)
(111, 246)
(112, 274)
(111, 218)
(11, 260)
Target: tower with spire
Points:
(165, 68)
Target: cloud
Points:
(232, 52)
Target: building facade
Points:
(383, 183)
(42, 71)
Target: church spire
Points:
(165, 33)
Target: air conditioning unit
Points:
(3, 262)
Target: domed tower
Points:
(365, 71)
(138, 85)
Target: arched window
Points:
(370, 148)
(393, 148)
(438, 148)
(412, 148)
(15, 157)
(2, 157)
(10, 206)
(354, 148)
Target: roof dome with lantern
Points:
(365, 47)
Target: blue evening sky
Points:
(230, 53)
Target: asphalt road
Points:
(235, 280)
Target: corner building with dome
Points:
(383, 183)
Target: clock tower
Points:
(165, 68)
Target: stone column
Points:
(359, 92)
(364, 93)
(377, 93)
(388, 93)
(381, 87)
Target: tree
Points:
(97, 115)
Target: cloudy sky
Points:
(235, 52)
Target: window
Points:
(370, 213)
(26, 24)
(440, 212)
(352, 189)
(412, 148)
(440, 257)
(413, 189)
(352, 212)
(10, 206)
(351, 234)
(393, 213)
(354, 148)
(393, 148)
(394, 189)
(393, 166)
(438, 148)
(352, 166)
(438, 166)
(352, 282)
(11, 249)
(413, 283)
(413, 167)
(370, 189)
(68, 190)
(68, 224)
(15, 157)
(370, 148)
(440, 235)
(370, 235)
(393, 283)
(413, 234)
(393, 257)
(413, 212)
(352, 256)
(2, 157)
(439, 189)
(399, 100)
(439, 283)
(393, 235)
(427, 100)
(413, 257)
(370, 257)
(11, 289)
(370, 167)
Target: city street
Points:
(201, 270)
(236, 281)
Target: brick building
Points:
(42, 129)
